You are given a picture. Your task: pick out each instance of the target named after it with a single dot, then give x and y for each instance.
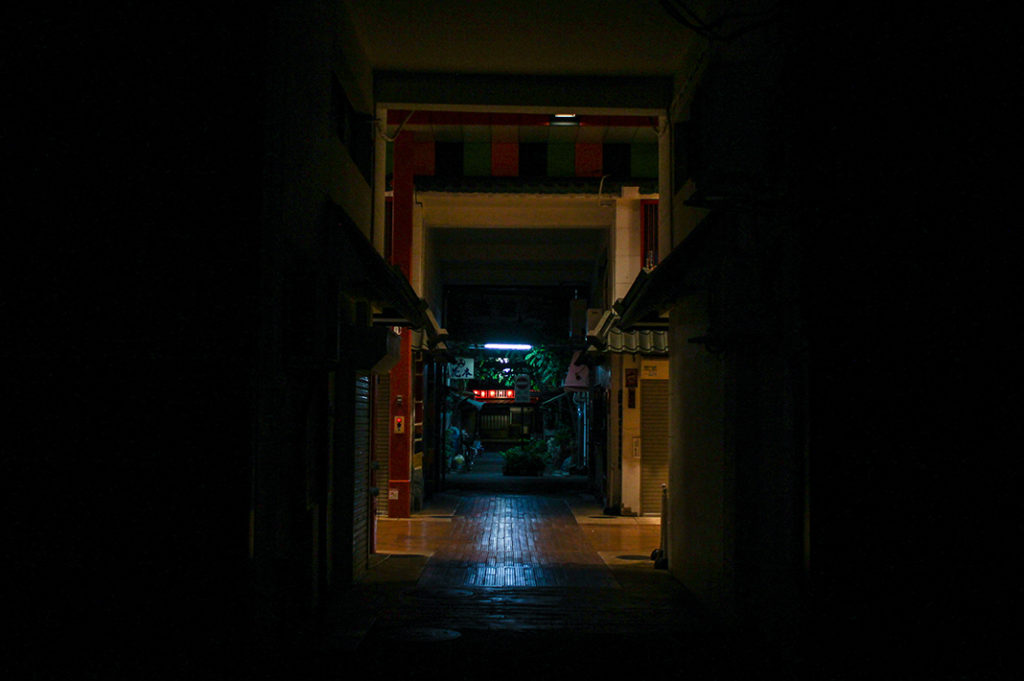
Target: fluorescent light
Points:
(564, 120)
(507, 346)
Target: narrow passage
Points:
(516, 589)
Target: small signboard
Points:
(658, 370)
(462, 367)
(578, 377)
(522, 389)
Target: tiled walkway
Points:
(499, 584)
(515, 541)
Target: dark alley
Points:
(508, 339)
(496, 573)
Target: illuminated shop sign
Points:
(499, 394)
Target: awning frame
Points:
(363, 273)
(685, 270)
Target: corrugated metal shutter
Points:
(382, 439)
(495, 425)
(361, 482)
(654, 444)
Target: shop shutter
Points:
(382, 439)
(654, 444)
(495, 425)
(361, 465)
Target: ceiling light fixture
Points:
(563, 119)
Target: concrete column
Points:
(665, 240)
(418, 250)
(626, 248)
(701, 468)
(380, 170)
(614, 464)
(630, 437)
(402, 215)
(400, 461)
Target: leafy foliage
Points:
(561, 444)
(546, 366)
(549, 366)
(530, 459)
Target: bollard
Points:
(660, 554)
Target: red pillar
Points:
(589, 159)
(402, 184)
(400, 466)
(504, 159)
(400, 463)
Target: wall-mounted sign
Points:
(399, 424)
(578, 376)
(654, 370)
(494, 394)
(393, 494)
(632, 378)
(523, 389)
(462, 367)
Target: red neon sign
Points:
(493, 394)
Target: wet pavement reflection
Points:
(516, 541)
(501, 585)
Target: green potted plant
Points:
(525, 460)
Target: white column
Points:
(627, 247)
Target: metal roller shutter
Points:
(654, 444)
(495, 425)
(382, 439)
(361, 486)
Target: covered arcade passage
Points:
(487, 580)
(515, 541)
(202, 330)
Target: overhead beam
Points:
(404, 89)
(414, 118)
(518, 211)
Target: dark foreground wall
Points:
(180, 163)
(844, 470)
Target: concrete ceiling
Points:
(483, 47)
(517, 257)
(525, 134)
(561, 37)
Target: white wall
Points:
(625, 254)
(701, 470)
(630, 430)
(626, 240)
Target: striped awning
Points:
(643, 341)
(605, 335)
